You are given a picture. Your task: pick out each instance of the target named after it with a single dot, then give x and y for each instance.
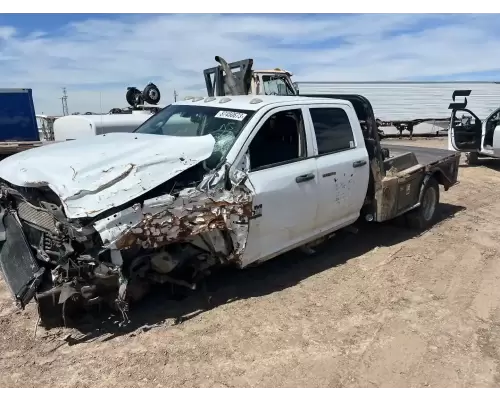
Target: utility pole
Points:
(64, 101)
(175, 95)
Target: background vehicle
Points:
(469, 134)
(143, 104)
(18, 125)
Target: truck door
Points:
(285, 183)
(465, 131)
(342, 162)
(491, 134)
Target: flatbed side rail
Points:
(445, 170)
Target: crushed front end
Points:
(173, 234)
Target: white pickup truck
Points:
(211, 181)
(468, 134)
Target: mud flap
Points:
(20, 269)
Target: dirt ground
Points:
(380, 308)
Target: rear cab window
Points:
(332, 129)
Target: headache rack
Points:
(216, 78)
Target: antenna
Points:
(100, 110)
(175, 95)
(64, 102)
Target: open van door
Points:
(465, 130)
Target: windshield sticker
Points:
(236, 116)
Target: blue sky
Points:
(96, 56)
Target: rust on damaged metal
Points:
(181, 223)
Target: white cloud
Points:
(97, 59)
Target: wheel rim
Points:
(429, 203)
(153, 94)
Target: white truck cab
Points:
(468, 134)
(307, 166)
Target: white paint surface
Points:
(496, 142)
(80, 126)
(100, 172)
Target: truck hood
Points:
(95, 174)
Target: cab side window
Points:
(333, 130)
(280, 140)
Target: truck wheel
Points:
(133, 96)
(424, 216)
(471, 158)
(151, 94)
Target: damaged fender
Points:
(193, 212)
(174, 237)
(110, 169)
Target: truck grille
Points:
(39, 218)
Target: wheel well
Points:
(441, 179)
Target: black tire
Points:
(424, 216)
(471, 158)
(151, 94)
(132, 96)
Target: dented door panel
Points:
(283, 209)
(342, 187)
(343, 174)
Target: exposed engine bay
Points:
(175, 233)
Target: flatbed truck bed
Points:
(425, 156)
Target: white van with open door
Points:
(468, 134)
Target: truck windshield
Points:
(277, 85)
(223, 124)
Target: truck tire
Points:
(151, 94)
(425, 215)
(471, 158)
(133, 96)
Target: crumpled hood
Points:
(94, 174)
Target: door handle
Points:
(359, 163)
(304, 178)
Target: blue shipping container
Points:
(17, 116)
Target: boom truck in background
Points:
(279, 82)
(142, 105)
(220, 180)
